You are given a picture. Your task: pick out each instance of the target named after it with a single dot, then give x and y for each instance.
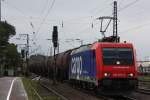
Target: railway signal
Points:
(55, 36)
(55, 44)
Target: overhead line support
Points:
(115, 23)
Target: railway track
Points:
(83, 94)
(144, 91)
(143, 83)
(94, 94)
(65, 98)
(66, 92)
(144, 87)
(55, 92)
(124, 97)
(36, 93)
(121, 97)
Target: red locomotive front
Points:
(116, 66)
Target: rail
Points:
(144, 91)
(36, 93)
(53, 91)
(124, 97)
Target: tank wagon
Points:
(100, 66)
(37, 64)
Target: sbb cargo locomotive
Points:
(104, 67)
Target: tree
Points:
(13, 58)
(6, 31)
(7, 50)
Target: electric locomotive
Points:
(106, 67)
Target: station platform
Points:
(11, 88)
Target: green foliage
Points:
(6, 31)
(7, 50)
(13, 58)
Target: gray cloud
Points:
(77, 17)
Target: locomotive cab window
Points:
(117, 56)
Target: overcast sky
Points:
(77, 16)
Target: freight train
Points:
(104, 67)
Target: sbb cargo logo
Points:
(76, 66)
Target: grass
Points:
(30, 92)
(30, 84)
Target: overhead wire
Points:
(101, 9)
(77, 18)
(45, 17)
(24, 14)
(128, 5)
(21, 12)
(95, 8)
(45, 5)
(92, 25)
(136, 27)
(120, 3)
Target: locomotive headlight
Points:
(107, 74)
(130, 75)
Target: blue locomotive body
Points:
(83, 66)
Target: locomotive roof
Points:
(108, 44)
(82, 48)
(97, 44)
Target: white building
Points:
(143, 66)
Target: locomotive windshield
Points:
(117, 56)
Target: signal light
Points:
(55, 36)
(130, 75)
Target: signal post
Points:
(55, 45)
